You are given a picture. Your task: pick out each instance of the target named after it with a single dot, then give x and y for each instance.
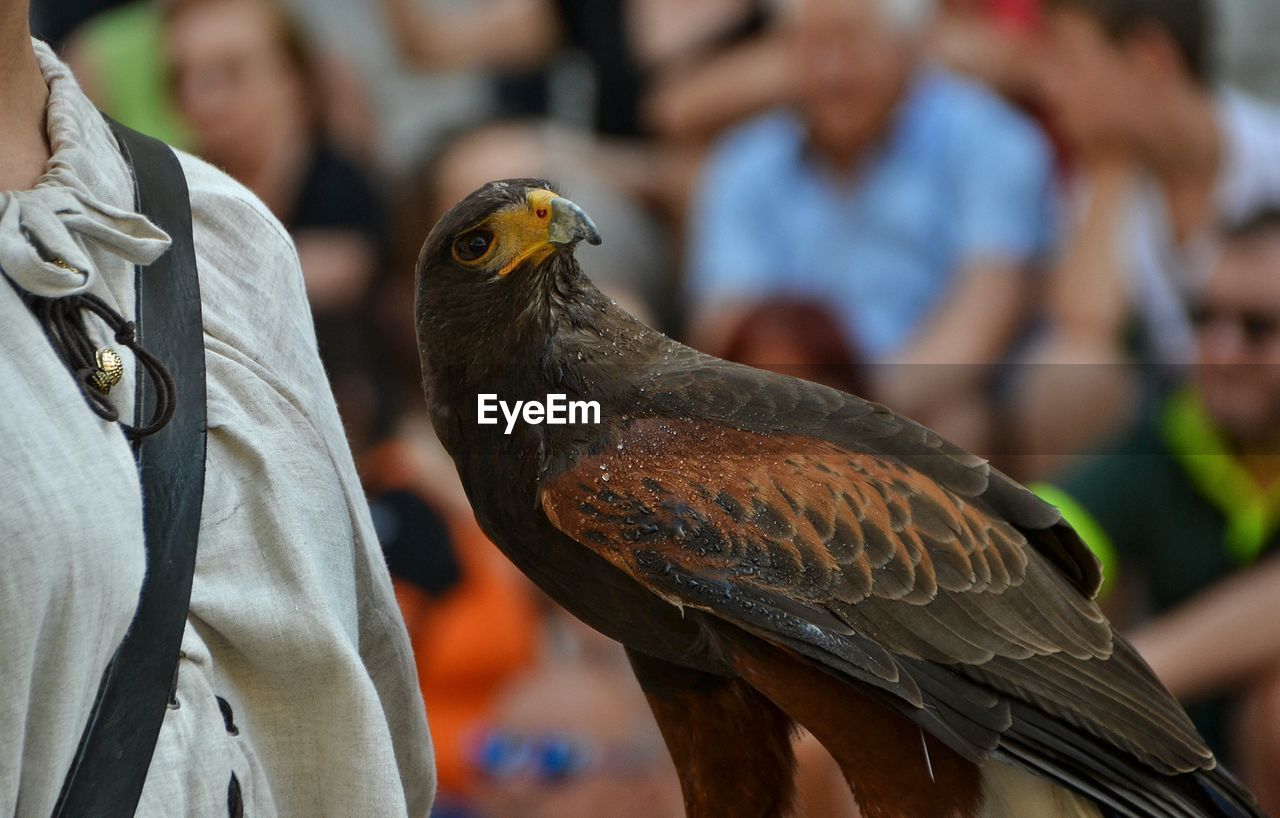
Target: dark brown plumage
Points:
(771, 551)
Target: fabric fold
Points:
(44, 234)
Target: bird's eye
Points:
(473, 245)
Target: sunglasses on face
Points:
(1257, 327)
(549, 758)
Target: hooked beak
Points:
(570, 224)
(536, 229)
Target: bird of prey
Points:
(772, 552)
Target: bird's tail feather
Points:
(1013, 793)
(1228, 794)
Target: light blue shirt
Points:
(961, 178)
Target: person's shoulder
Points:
(966, 107)
(235, 232)
(218, 199)
(762, 152)
(945, 89)
(766, 140)
(247, 260)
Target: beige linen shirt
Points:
(293, 622)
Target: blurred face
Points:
(851, 65)
(1238, 324)
(230, 74)
(1093, 86)
(571, 742)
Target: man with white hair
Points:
(909, 199)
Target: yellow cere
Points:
(522, 232)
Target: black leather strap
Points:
(111, 763)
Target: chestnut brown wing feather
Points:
(684, 383)
(861, 562)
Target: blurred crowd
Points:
(1049, 229)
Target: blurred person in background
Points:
(119, 58)
(1163, 157)
(799, 338)
(998, 42)
(575, 738)
(1191, 496)
(908, 200)
(665, 66)
(651, 82)
(245, 80)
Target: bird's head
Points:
(490, 267)
(503, 233)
